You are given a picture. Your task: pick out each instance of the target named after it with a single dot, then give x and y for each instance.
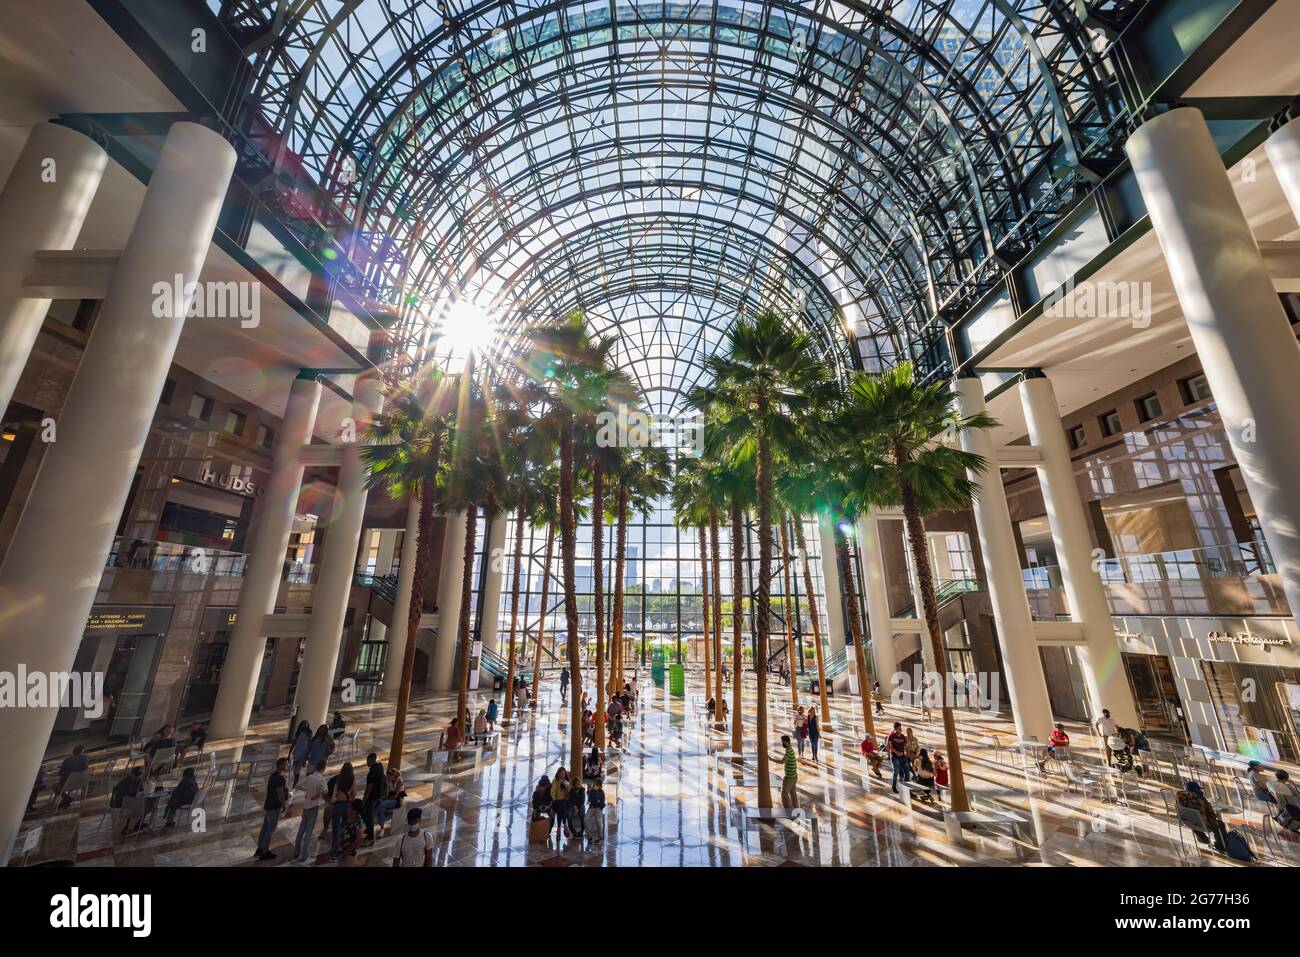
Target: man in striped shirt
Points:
(789, 797)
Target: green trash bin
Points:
(657, 665)
(677, 681)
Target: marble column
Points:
(490, 586)
(269, 544)
(397, 631)
(1099, 656)
(450, 578)
(42, 206)
(329, 605)
(1242, 336)
(835, 625)
(877, 596)
(56, 556)
(1022, 666)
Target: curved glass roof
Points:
(665, 165)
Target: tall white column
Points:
(1031, 707)
(329, 604)
(873, 574)
(56, 557)
(271, 526)
(835, 626)
(42, 206)
(1103, 668)
(1247, 348)
(402, 609)
(450, 576)
(491, 584)
(1283, 151)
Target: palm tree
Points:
(897, 428)
(799, 490)
(692, 509)
(786, 593)
(474, 478)
(545, 514)
(571, 366)
(525, 449)
(764, 387)
(404, 454)
(603, 455)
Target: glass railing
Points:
(1241, 560)
(174, 557)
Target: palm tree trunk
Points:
(514, 615)
(855, 624)
(548, 555)
(789, 614)
(423, 548)
(925, 581)
(462, 627)
(763, 613)
(717, 608)
(568, 561)
(704, 604)
(597, 557)
(620, 563)
(737, 653)
(802, 544)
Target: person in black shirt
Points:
(182, 796)
(277, 796)
(374, 793)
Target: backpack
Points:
(1237, 848)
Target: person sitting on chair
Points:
(1258, 783)
(1287, 796)
(1192, 797)
(1058, 746)
(181, 797)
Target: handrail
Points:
(946, 591)
(141, 553)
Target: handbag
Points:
(539, 830)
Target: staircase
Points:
(780, 652)
(835, 666)
(946, 591)
(385, 586)
(498, 667)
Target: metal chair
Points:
(160, 759)
(1191, 819)
(133, 808)
(78, 781)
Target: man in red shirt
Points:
(872, 755)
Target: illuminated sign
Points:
(1245, 638)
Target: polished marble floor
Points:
(672, 801)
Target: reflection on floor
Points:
(672, 802)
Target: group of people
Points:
(1124, 746)
(908, 761)
(807, 730)
(573, 804)
(350, 819)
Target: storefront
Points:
(277, 680)
(123, 643)
(1232, 684)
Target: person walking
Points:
(594, 825)
(1107, 727)
(789, 794)
(413, 848)
(315, 790)
(376, 790)
(298, 750)
(564, 685)
(277, 796)
(875, 694)
(814, 732)
(800, 730)
(321, 746)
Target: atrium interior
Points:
(838, 432)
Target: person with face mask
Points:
(413, 848)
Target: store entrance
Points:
(127, 663)
(1159, 706)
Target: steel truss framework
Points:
(667, 165)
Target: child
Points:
(940, 773)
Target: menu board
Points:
(128, 620)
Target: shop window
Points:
(235, 422)
(1110, 423)
(201, 407)
(1194, 388)
(1078, 437)
(1148, 407)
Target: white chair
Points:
(132, 809)
(160, 760)
(1191, 819)
(78, 782)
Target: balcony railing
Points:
(1242, 560)
(174, 557)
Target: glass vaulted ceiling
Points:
(667, 165)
